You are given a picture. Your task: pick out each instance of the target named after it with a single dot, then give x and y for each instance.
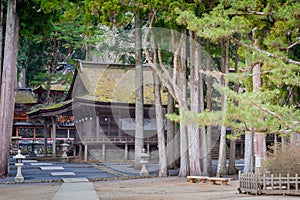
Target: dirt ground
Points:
(173, 188)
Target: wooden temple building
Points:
(100, 106)
(28, 133)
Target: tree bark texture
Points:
(184, 167)
(248, 156)
(209, 108)
(162, 167)
(139, 105)
(203, 139)
(172, 146)
(231, 163)
(193, 129)
(1, 36)
(8, 88)
(221, 168)
(184, 151)
(259, 138)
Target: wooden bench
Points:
(224, 181)
(192, 179)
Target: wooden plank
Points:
(192, 179)
(224, 181)
(288, 182)
(296, 182)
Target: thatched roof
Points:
(25, 97)
(53, 87)
(115, 83)
(96, 83)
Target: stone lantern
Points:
(64, 149)
(19, 163)
(144, 161)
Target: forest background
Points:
(259, 41)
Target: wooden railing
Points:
(115, 140)
(269, 184)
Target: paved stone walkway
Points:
(35, 171)
(76, 189)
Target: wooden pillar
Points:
(126, 151)
(53, 138)
(148, 149)
(34, 133)
(97, 127)
(103, 151)
(80, 152)
(45, 139)
(68, 133)
(85, 152)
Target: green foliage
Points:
(55, 32)
(272, 27)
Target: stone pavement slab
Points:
(52, 168)
(72, 190)
(74, 180)
(29, 161)
(40, 164)
(62, 173)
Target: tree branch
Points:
(274, 115)
(164, 79)
(271, 55)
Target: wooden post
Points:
(265, 186)
(103, 151)
(280, 184)
(148, 149)
(80, 151)
(288, 182)
(85, 152)
(272, 181)
(45, 139)
(97, 127)
(126, 151)
(53, 138)
(296, 182)
(240, 179)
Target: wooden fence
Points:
(269, 184)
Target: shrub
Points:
(283, 159)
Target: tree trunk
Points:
(162, 167)
(259, 138)
(184, 149)
(171, 140)
(209, 108)
(193, 129)
(203, 139)
(221, 168)
(8, 88)
(184, 169)
(1, 41)
(248, 156)
(173, 150)
(231, 164)
(139, 105)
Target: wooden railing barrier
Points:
(269, 184)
